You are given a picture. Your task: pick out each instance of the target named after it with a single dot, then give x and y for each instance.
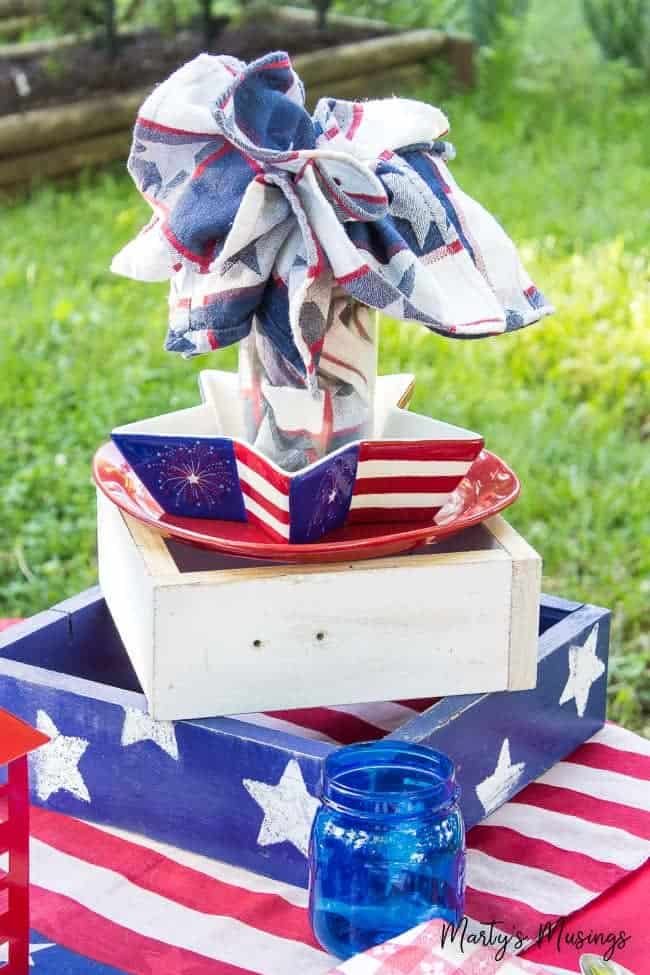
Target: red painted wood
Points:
(14, 837)
(17, 738)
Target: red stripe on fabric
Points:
(479, 321)
(635, 821)
(266, 528)
(74, 927)
(447, 251)
(622, 905)
(509, 845)
(353, 275)
(203, 165)
(261, 466)
(346, 729)
(367, 198)
(346, 365)
(429, 158)
(158, 127)
(596, 755)
(357, 117)
(406, 485)
(254, 165)
(277, 513)
(369, 516)
(153, 871)
(457, 450)
(506, 914)
(342, 200)
(363, 332)
(272, 65)
(203, 262)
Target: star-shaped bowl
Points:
(196, 463)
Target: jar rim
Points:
(436, 789)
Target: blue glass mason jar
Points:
(387, 847)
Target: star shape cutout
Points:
(139, 726)
(585, 668)
(289, 809)
(170, 162)
(412, 200)
(247, 255)
(499, 786)
(56, 765)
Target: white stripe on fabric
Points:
(386, 715)
(225, 939)
(621, 739)
(257, 509)
(216, 869)
(606, 844)
(600, 783)
(262, 486)
(412, 468)
(280, 724)
(399, 500)
(543, 891)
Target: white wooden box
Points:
(211, 635)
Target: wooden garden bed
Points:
(69, 128)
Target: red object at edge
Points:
(17, 739)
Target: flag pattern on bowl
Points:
(226, 479)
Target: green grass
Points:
(560, 155)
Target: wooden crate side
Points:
(128, 587)
(524, 606)
(306, 640)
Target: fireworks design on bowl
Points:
(195, 474)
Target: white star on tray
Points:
(56, 765)
(496, 788)
(139, 726)
(585, 668)
(33, 949)
(289, 809)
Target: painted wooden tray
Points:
(242, 789)
(489, 487)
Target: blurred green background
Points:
(555, 141)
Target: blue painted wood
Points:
(186, 783)
(540, 731)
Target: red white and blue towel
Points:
(275, 226)
(105, 902)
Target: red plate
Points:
(489, 487)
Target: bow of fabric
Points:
(261, 211)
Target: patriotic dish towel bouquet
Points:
(287, 232)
